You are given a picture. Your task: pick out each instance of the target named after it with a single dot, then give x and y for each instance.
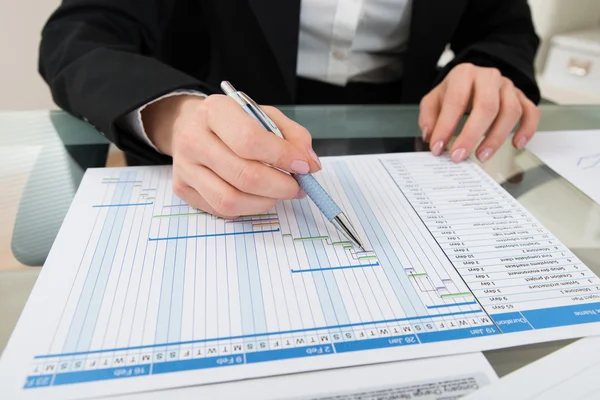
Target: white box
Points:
(573, 68)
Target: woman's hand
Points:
(495, 106)
(219, 154)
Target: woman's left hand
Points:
(495, 106)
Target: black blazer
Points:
(105, 58)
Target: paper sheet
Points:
(141, 292)
(575, 155)
(437, 378)
(569, 373)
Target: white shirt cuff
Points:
(133, 123)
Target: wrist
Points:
(159, 119)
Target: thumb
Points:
(296, 134)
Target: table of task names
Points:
(513, 265)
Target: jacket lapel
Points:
(280, 22)
(432, 24)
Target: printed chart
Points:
(142, 288)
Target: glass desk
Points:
(43, 155)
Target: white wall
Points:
(21, 21)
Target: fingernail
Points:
(438, 148)
(424, 133)
(300, 167)
(485, 155)
(301, 194)
(521, 143)
(314, 156)
(458, 155)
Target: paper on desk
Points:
(436, 378)
(575, 155)
(143, 292)
(570, 373)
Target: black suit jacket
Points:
(105, 58)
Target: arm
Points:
(492, 78)
(499, 34)
(97, 57)
(134, 124)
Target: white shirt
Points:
(352, 40)
(340, 41)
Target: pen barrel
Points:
(318, 195)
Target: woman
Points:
(146, 74)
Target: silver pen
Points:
(307, 182)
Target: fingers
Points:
(456, 97)
(486, 106)
(245, 175)
(508, 117)
(295, 134)
(429, 109)
(529, 121)
(221, 197)
(244, 135)
(191, 197)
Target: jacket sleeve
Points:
(97, 58)
(500, 34)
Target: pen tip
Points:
(342, 223)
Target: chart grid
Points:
(163, 287)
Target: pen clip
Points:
(261, 113)
(244, 100)
(230, 91)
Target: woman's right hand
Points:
(219, 154)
